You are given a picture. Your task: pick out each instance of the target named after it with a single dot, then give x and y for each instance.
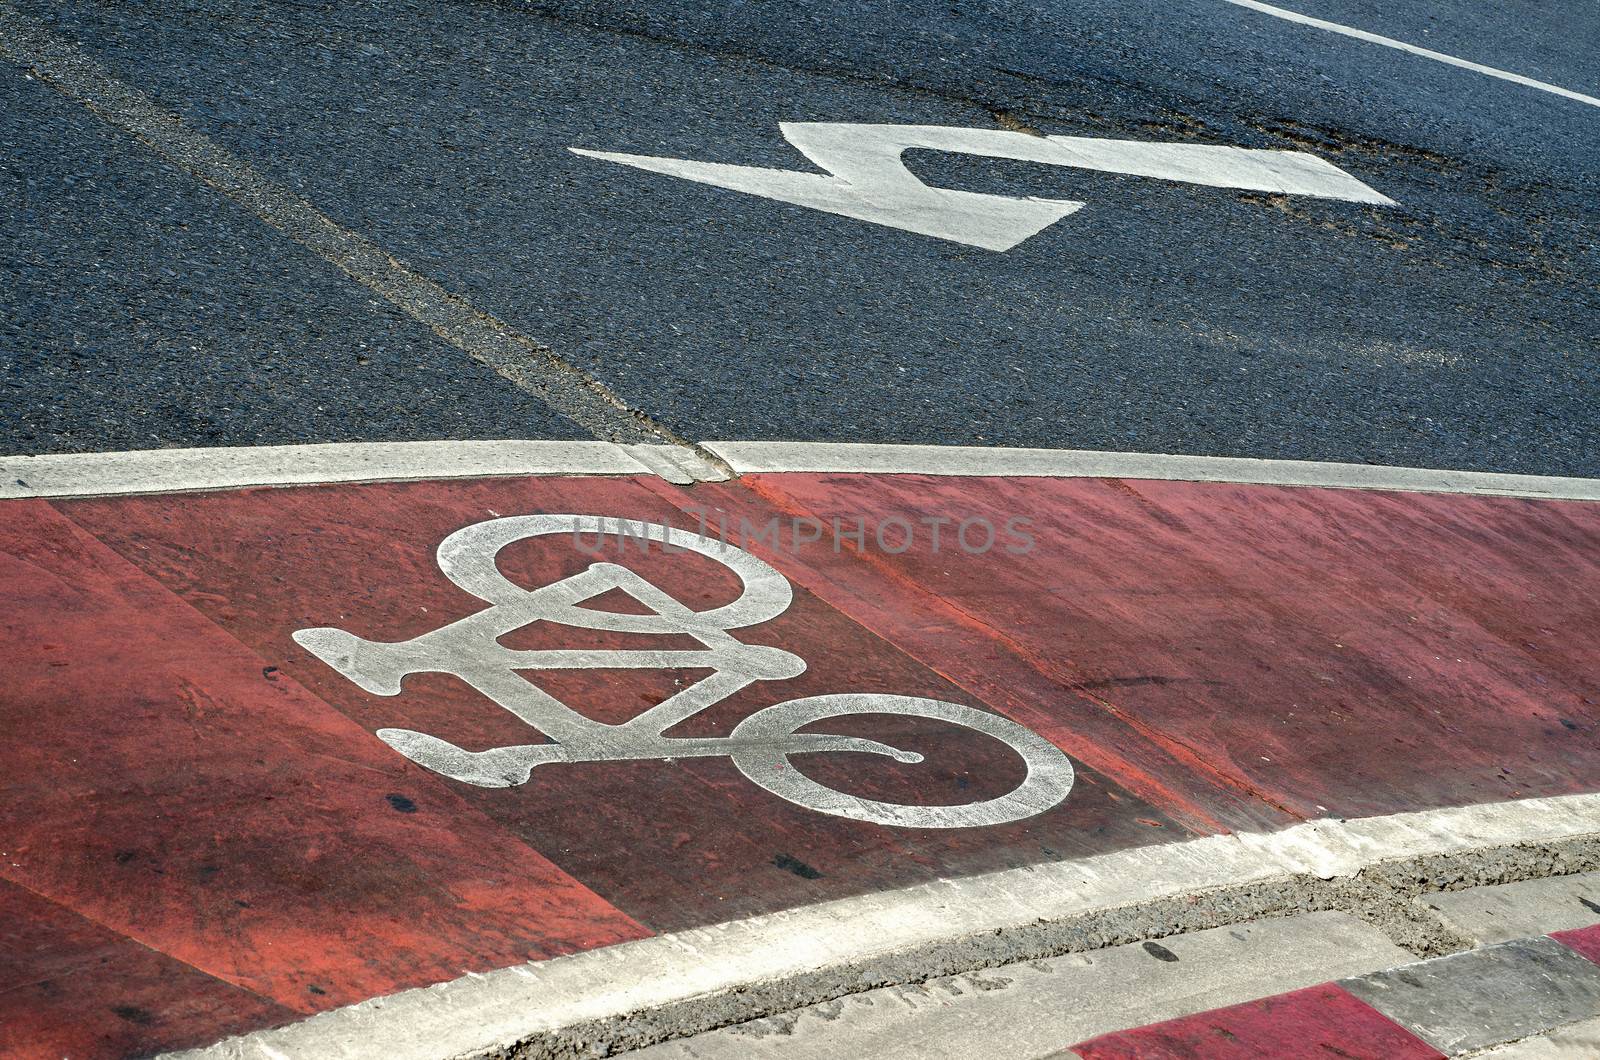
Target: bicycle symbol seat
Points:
(760, 746)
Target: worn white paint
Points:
(866, 176)
(760, 745)
(478, 1014)
(1426, 53)
(676, 463)
(768, 737)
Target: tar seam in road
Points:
(532, 367)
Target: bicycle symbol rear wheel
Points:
(765, 762)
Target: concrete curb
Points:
(183, 470)
(848, 457)
(668, 986)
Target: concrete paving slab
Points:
(1529, 997)
(1576, 1041)
(1508, 911)
(1031, 1009)
(1483, 997)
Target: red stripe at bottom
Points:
(1586, 941)
(1319, 1021)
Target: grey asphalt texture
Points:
(1459, 330)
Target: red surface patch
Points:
(1317, 1023)
(166, 782)
(1585, 940)
(1302, 648)
(685, 843)
(70, 987)
(213, 798)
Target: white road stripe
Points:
(183, 470)
(481, 1015)
(1426, 53)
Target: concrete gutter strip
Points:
(847, 457)
(620, 992)
(181, 470)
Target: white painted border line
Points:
(484, 1014)
(748, 458)
(180, 470)
(184, 470)
(1426, 53)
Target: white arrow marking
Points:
(867, 179)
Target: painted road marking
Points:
(1211, 657)
(1426, 53)
(760, 746)
(223, 467)
(916, 932)
(867, 178)
(1324, 1020)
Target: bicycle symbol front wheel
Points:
(765, 762)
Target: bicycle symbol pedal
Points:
(760, 746)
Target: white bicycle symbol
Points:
(760, 746)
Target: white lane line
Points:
(1426, 53)
(861, 458)
(484, 1015)
(183, 470)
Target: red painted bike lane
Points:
(204, 834)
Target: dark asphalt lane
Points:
(1549, 42)
(142, 310)
(1458, 330)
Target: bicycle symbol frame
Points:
(759, 746)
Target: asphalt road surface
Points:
(145, 306)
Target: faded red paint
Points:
(1318, 1022)
(908, 606)
(71, 987)
(166, 782)
(685, 843)
(1584, 940)
(1306, 647)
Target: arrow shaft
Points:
(866, 176)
